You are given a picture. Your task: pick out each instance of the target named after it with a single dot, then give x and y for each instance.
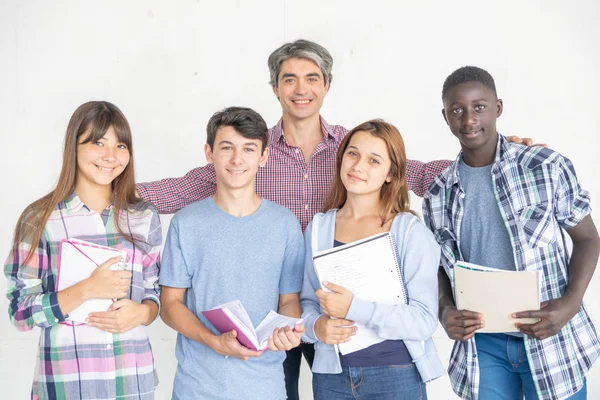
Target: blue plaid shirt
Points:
(539, 196)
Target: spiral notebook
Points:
(368, 268)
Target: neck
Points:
(361, 206)
(300, 132)
(483, 156)
(237, 202)
(96, 197)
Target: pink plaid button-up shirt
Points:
(286, 178)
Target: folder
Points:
(496, 294)
(77, 260)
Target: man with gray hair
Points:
(302, 148)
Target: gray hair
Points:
(301, 49)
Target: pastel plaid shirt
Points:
(81, 362)
(286, 179)
(539, 195)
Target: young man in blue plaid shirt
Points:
(506, 206)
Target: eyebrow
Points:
(233, 144)
(374, 154)
(290, 75)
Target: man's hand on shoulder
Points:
(524, 141)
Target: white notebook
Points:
(77, 260)
(497, 294)
(368, 268)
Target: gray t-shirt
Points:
(484, 239)
(221, 258)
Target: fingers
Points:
(464, 314)
(110, 262)
(531, 314)
(334, 288)
(462, 324)
(284, 339)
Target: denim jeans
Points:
(393, 382)
(291, 367)
(504, 372)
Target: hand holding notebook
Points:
(78, 261)
(496, 294)
(369, 269)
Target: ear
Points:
(327, 87)
(276, 91)
(208, 153)
(499, 108)
(264, 157)
(388, 179)
(444, 115)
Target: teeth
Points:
(301, 101)
(104, 169)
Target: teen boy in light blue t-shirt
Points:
(232, 246)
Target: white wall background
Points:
(170, 65)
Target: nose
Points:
(358, 164)
(109, 154)
(301, 87)
(469, 117)
(236, 157)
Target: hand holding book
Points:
(553, 315)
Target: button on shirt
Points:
(286, 179)
(539, 195)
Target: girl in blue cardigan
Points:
(370, 196)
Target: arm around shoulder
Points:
(169, 195)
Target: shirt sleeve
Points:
(572, 201)
(421, 175)
(31, 303)
(293, 265)
(311, 309)
(174, 271)
(151, 262)
(416, 320)
(172, 194)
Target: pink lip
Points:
(355, 178)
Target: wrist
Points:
(150, 311)
(317, 326)
(444, 303)
(84, 289)
(211, 340)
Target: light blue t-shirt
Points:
(221, 258)
(484, 239)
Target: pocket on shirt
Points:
(537, 225)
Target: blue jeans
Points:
(504, 372)
(370, 383)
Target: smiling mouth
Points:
(301, 101)
(236, 172)
(356, 178)
(471, 134)
(104, 168)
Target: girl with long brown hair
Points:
(94, 200)
(370, 196)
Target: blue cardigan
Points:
(414, 323)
